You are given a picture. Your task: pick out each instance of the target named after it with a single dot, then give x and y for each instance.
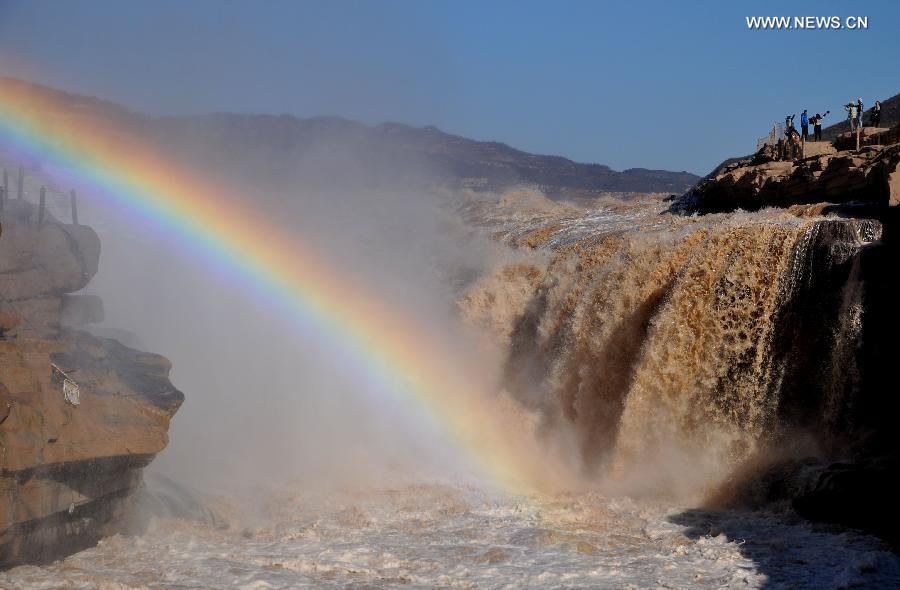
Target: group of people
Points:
(792, 147)
(854, 115)
(805, 122)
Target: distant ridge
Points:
(382, 154)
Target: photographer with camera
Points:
(850, 107)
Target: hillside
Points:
(331, 149)
(393, 151)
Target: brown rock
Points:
(866, 176)
(894, 187)
(8, 321)
(67, 472)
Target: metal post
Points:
(2, 198)
(21, 190)
(74, 208)
(41, 207)
(5, 182)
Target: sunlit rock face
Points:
(68, 464)
(867, 177)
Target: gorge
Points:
(707, 367)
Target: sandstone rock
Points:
(45, 261)
(80, 310)
(68, 473)
(818, 148)
(869, 136)
(894, 187)
(863, 176)
(8, 321)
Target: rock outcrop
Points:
(867, 136)
(867, 176)
(80, 416)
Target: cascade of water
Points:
(661, 346)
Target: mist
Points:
(269, 400)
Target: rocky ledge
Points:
(868, 176)
(80, 416)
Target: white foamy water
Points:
(427, 536)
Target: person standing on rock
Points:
(789, 122)
(851, 115)
(804, 125)
(859, 111)
(876, 114)
(817, 125)
(792, 143)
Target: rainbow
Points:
(270, 262)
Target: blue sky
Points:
(659, 84)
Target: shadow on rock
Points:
(794, 553)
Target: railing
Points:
(772, 138)
(49, 199)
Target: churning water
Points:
(447, 536)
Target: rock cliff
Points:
(866, 176)
(80, 416)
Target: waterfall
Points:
(672, 352)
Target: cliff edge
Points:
(80, 416)
(868, 176)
